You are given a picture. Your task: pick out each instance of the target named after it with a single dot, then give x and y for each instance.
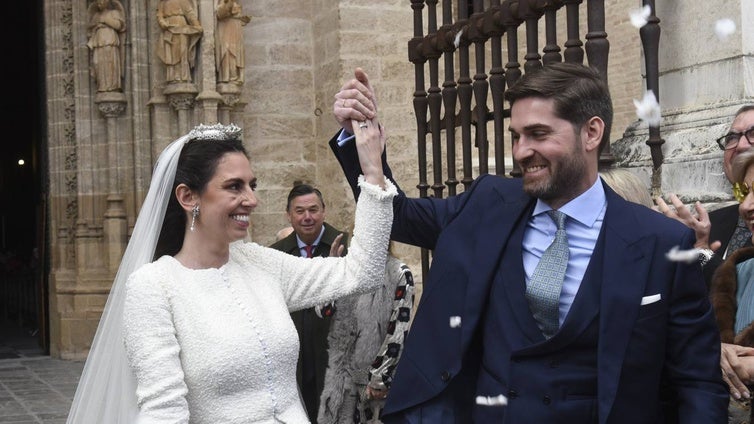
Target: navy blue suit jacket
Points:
(674, 339)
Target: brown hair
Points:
(578, 93)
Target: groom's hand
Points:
(355, 101)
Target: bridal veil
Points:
(106, 392)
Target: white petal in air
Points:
(639, 16)
(455, 322)
(498, 400)
(648, 110)
(688, 256)
(724, 28)
(457, 40)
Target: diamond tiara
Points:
(218, 132)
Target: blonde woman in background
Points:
(627, 185)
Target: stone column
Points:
(112, 105)
(231, 97)
(181, 96)
(208, 101)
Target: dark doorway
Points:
(23, 186)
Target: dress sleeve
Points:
(381, 371)
(153, 351)
(309, 282)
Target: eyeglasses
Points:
(730, 140)
(740, 191)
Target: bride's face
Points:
(227, 200)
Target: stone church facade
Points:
(104, 136)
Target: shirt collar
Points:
(301, 244)
(585, 208)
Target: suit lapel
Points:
(626, 266)
(289, 245)
(508, 275)
(511, 282)
(724, 221)
(326, 242)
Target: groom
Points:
(592, 344)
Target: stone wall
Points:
(299, 59)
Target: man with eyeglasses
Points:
(723, 230)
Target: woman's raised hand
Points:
(370, 143)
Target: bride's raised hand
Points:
(370, 143)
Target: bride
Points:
(197, 327)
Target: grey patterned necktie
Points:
(741, 238)
(543, 290)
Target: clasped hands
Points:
(355, 109)
(737, 364)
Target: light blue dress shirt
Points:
(344, 137)
(585, 216)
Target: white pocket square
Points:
(646, 300)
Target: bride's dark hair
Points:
(196, 166)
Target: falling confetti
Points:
(724, 28)
(688, 256)
(648, 110)
(639, 16)
(455, 322)
(498, 400)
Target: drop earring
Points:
(194, 214)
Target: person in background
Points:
(311, 237)
(627, 185)
(721, 231)
(732, 294)
(365, 343)
(196, 326)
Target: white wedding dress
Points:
(218, 345)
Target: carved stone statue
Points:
(181, 31)
(229, 51)
(107, 27)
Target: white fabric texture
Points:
(218, 345)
